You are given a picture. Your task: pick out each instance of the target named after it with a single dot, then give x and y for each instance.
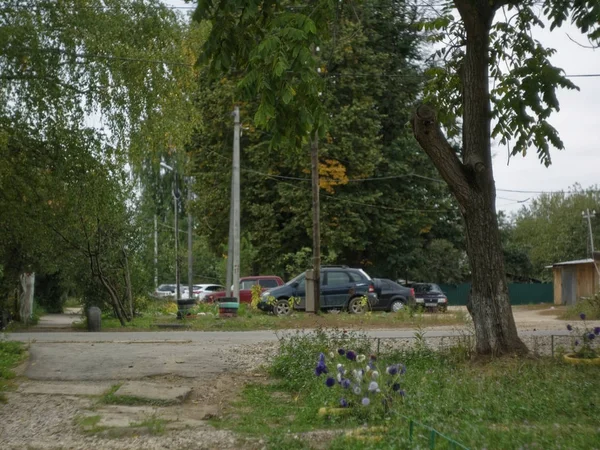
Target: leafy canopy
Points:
(525, 82)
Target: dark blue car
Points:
(341, 288)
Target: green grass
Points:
(589, 306)
(155, 425)
(502, 403)
(11, 354)
(206, 319)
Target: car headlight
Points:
(266, 294)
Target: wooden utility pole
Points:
(190, 241)
(314, 158)
(587, 215)
(236, 203)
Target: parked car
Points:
(246, 283)
(168, 290)
(341, 288)
(201, 291)
(392, 296)
(429, 295)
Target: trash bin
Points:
(94, 318)
(228, 307)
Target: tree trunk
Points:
(472, 183)
(489, 302)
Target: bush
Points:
(590, 306)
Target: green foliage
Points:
(61, 61)
(383, 224)
(590, 306)
(552, 230)
(11, 354)
(523, 95)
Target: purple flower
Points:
(371, 365)
(396, 368)
(591, 336)
(343, 403)
(582, 315)
(396, 387)
(597, 331)
(341, 351)
(351, 355)
(401, 393)
(569, 327)
(366, 401)
(321, 367)
(345, 383)
(330, 382)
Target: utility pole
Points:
(190, 255)
(176, 195)
(316, 207)
(155, 251)
(314, 159)
(587, 215)
(236, 202)
(229, 280)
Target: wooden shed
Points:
(575, 279)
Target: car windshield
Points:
(423, 288)
(298, 279)
(247, 284)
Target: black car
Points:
(341, 288)
(429, 295)
(392, 296)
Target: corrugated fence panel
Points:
(520, 293)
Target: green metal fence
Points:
(520, 293)
(433, 435)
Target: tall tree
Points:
(480, 45)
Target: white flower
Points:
(331, 355)
(360, 358)
(339, 366)
(373, 386)
(375, 374)
(339, 377)
(356, 390)
(368, 369)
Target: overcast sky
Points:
(578, 123)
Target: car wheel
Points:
(397, 306)
(282, 308)
(355, 306)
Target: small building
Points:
(575, 279)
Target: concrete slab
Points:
(120, 416)
(153, 391)
(46, 388)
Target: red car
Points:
(246, 283)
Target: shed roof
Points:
(574, 262)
